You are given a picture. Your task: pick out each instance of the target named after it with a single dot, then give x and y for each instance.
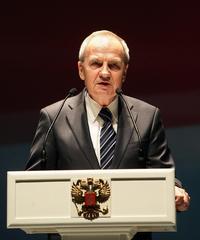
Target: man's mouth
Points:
(104, 83)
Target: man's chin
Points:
(103, 98)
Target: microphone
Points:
(120, 94)
(72, 92)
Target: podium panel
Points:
(82, 204)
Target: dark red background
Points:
(39, 46)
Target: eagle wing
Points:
(77, 194)
(104, 193)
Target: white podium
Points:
(92, 204)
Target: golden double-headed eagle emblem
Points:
(88, 195)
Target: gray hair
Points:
(103, 33)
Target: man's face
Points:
(103, 69)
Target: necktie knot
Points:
(106, 115)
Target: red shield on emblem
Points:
(90, 198)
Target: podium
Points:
(92, 204)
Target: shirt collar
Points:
(93, 108)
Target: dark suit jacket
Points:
(69, 145)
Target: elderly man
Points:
(100, 129)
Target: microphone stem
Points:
(119, 92)
(134, 124)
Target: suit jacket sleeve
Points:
(158, 153)
(37, 144)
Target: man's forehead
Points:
(105, 49)
(101, 57)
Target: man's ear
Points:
(124, 74)
(81, 70)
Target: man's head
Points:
(103, 63)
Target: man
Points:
(76, 140)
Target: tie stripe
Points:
(108, 150)
(104, 140)
(107, 139)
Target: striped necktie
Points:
(107, 139)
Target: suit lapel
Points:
(77, 120)
(124, 132)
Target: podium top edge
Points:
(107, 172)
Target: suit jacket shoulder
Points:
(139, 104)
(70, 103)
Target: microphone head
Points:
(119, 91)
(73, 91)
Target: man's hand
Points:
(182, 199)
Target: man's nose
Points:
(104, 72)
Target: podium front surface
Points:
(92, 204)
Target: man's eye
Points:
(114, 66)
(96, 64)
